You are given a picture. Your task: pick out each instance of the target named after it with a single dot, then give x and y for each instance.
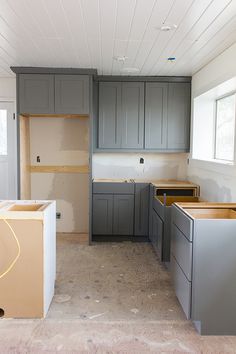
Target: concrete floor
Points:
(110, 298)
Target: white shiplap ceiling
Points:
(89, 33)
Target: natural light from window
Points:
(225, 128)
(3, 132)
(214, 121)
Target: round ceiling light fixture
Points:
(167, 27)
(130, 70)
(121, 58)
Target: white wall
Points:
(8, 171)
(126, 165)
(217, 181)
(7, 89)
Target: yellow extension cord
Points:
(18, 253)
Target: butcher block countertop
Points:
(206, 205)
(168, 183)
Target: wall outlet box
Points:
(58, 215)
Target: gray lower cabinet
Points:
(123, 214)
(157, 233)
(121, 115)
(113, 209)
(203, 269)
(36, 93)
(156, 115)
(72, 94)
(141, 217)
(102, 214)
(53, 94)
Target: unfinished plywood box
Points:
(54, 164)
(27, 258)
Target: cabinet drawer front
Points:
(183, 222)
(159, 208)
(182, 287)
(181, 249)
(113, 188)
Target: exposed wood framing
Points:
(59, 169)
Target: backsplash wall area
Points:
(127, 165)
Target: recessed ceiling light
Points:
(130, 70)
(121, 58)
(167, 27)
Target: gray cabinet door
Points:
(178, 116)
(141, 215)
(157, 234)
(36, 93)
(156, 116)
(123, 214)
(109, 124)
(72, 94)
(132, 115)
(102, 214)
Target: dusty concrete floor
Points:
(110, 298)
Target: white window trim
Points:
(226, 162)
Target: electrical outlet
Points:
(141, 160)
(58, 215)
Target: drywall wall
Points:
(7, 89)
(217, 181)
(127, 165)
(60, 142)
(8, 168)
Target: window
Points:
(3, 132)
(225, 128)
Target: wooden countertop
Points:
(206, 205)
(161, 183)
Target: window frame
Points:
(228, 94)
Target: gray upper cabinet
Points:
(156, 115)
(121, 115)
(53, 94)
(132, 115)
(178, 116)
(72, 94)
(36, 93)
(109, 125)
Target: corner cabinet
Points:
(53, 94)
(121, 115)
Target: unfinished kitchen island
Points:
(203, 264)
(27, 258)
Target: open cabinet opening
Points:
(54, 165)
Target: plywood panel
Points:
(25, 182)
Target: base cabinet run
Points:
(203, 268)
(120, 209)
